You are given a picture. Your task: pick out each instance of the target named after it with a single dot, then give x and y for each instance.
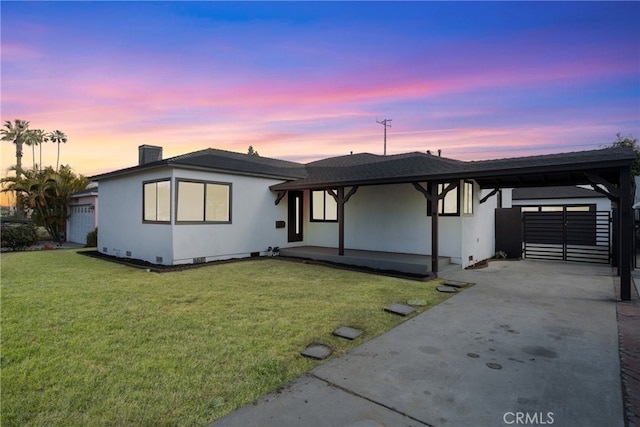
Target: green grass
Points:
(89, 342)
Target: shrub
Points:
(19, 237)
(92, 239)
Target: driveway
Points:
(532, 343)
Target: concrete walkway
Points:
(532, 342)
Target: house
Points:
(83, 214)
(557, 198)
(214, 204)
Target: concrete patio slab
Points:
(533, 338)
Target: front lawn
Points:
(90, 342)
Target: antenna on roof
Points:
(385, 123)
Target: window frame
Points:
(144, 201)
(467, 199)
(204, 183)
(441, 212)
(312, 218)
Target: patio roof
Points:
(550, 169)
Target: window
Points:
(449, 206)
(323, 206)
(203, 202)
(467, 198)
(156, 200)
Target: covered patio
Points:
(415, 264)
(608, 171)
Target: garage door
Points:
(80, 223)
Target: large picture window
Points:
(323, 206)
(199, 201)
(156, 200)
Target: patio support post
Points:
(433, 199)
(341, 199)
(625, 233)
(434, 237)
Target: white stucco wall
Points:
(394, 218)
(252, 227)
(478, 230)
(120, 226)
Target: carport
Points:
(608, 171)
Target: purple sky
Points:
(302, 81)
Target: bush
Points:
(19, 237)
(92, 239)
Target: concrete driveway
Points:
(532, 343)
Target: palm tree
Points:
(16, 132)
(57, 137)
(38, 137)
(46, 194)
(32, 138)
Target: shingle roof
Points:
(225, 161)
(369, 169)
(557, 192)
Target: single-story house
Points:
(83, 214)
(214, 204)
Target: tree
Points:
(45, 194)
(57, 137)
(33, 138)
(16, 132)
(252, 152)
(631, 142)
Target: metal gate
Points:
(567, 236)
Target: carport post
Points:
(626, 231)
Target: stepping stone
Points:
(348, 333)
(317, 351)
(446, 289)
(417, 302)
(399, 309)
(456, 284)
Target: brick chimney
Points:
(148, 154)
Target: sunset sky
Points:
(307, 80)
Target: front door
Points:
(295, 216)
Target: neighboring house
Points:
(83, 214)
(547, 199)
(214, 204)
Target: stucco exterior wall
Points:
(394, 218)
(121, 230)
(478, 230)
(253, 222)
